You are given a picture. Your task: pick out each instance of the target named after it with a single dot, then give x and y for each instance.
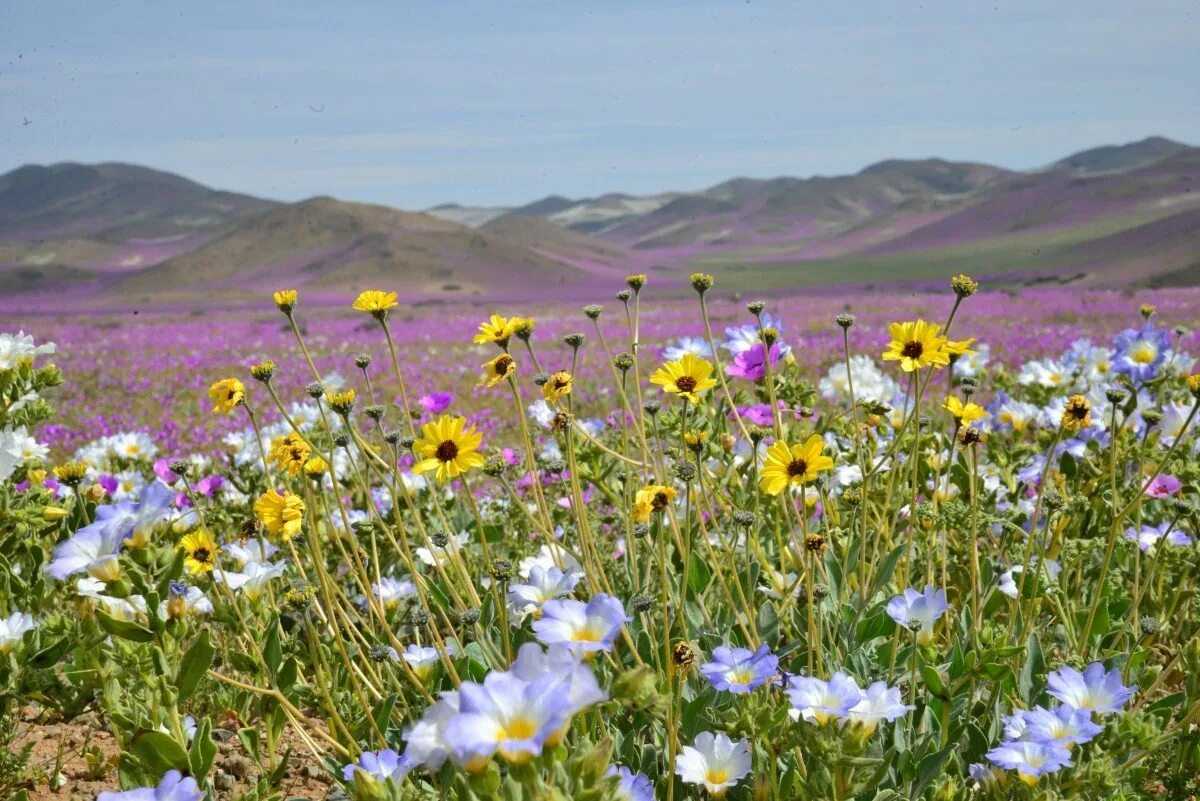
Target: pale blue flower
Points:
(740, 670)
(584, 628)
(173, 787)
(713, 761)
(382, 765)
(544, 584)
(1062, 724)
(631, 786)
(920, 611)
(878, 703)
(1094, 690)
(1029, 759)
(820, 701)
(685, 345)
(505, 715)
(1141, 352)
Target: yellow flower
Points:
(375, 301)
(280, 514)
(916, 345)
(342, 402)
(522, 327)
(286, 300)
(71, 473)
(227, 395)
(201, 551)
(315, 468)
(497, 370)
(959, 347)
(497, 330)
(561, 383)
(1077, 414)
(290, 452)
(688, 377)
(964, 412)
(448, 446)
(1193, 384)
(793, 465)
(651, 498)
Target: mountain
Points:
(109, 234)
(1114, 158)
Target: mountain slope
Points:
(1114, 158)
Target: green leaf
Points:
(272, 650)
(698, 573)
(158, 753)
(49, 656)
(1034, 666)
(886, 568)
(195, 664)
(124, 629)
(249, 738)
(931, 767)
(203, 751)
(933, 681)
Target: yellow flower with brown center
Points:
(497, 370)
(496, 330)
(448, 446)
(227, 395)
(290, 452)
(280, 514)
(964, 412)
(651, 498)
(201, 551)
(688, 377)
(1077, 414)
(71, 473)
(915, 345)
(286, 300)
(793, 465)
(375, 301)
(560, 384)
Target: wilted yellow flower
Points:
(227, 395)
(375, 301)
(496, 330)
(290, 452)
(964, 412)
(688, 377)
(280, 514)
(793, 465)
(561, 383)
(286, 300)
(497, 370)
(522, 327)
(959, 347)
(915, 345)
(636, 281)
(448, 446)
(1077, 414)
(201, 551)
(651, 498)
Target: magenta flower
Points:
(436, 402)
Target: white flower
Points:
(391, 592)
(426, 739)
(254, 579)
(13, 628)
(971, 364)
(549, 556)
(870, 383)
(685, 345)
(1046, 373)
(544, 584)
(714, 761)
(440, 555)
(16, 448)
(18, 348)
(251, 550)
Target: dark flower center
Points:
(201, 555)
(797, 467)
(685, 383)
(913, 350)
(660, 500)
(1078, 411)
(446, 451)
(502, 364)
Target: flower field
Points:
(934, 545)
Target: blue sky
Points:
(505, 102)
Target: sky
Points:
(501, 103)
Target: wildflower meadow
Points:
(940, 545)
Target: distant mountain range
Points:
(118, 235)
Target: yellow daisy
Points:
(227, 395)
(201, 551)
(289, 453)
(497, 370)
(375, 301)
(1077, 414)
(281, 514)
(916, 345)
(959, 347)
(965, 413)
(651, 498)
(793, 465)
(561, 383)
(688, 377)
(286, 300)
(497, 330)
(448, 446)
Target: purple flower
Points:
(1094, 690)
(584, 628)
(209, 485)
(164, 472)
(173, 787)
(1141, 352)
(1163, 486)
(631, 786)
(750, 364)
(740, 670)
(1029, 759)
(1063, 725)
(436, 402)
(382, 765)
(505, 715)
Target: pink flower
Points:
(1164, 486)
(750, 364)
(436, 402)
